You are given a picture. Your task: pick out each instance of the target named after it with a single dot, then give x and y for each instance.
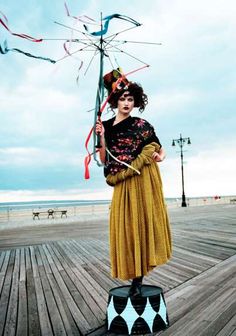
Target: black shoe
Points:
(135, 290)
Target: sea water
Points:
(49, 204)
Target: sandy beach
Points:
(13, 217)
(20, 229)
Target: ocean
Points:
(6, 206)
(48, 204)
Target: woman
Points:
(139, 227)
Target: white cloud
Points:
(34, 110)
(39, 157)
(210, 172)
(45, 194)
(173, 101)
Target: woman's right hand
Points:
(99, 129)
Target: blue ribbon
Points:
(5, 50)
(107, 20)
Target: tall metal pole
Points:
(100, 89)
(182, 172)
(181, 141)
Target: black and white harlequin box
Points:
(136, 315)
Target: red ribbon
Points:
(79, 18)
(87, 159)
(27, 37)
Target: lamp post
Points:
(181, 141)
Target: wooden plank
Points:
(177, 274)
(52, 309)
(211, 304)
(79, 318)
(195, 306)
(101, 250)
(33, 317)
(5, 293)
(220, 314)
(33, 262)
(66, 316)
(73, 277)
(2, 257)
(79, 270)
(187, 265)
(69, 323)
(229, 329)
(22, 318)
(162, 278)
(45, 325)
(92, 265)
(11, 318)
(4, 269)
(226, 268)
(87, 290)
(194, 256)
(83, 299)
(97, 255)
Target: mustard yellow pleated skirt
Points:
(140, 237)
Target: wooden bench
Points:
(49, 212)
(233, 200)
(62, 212)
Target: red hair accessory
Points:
(115, 81)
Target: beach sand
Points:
(91, 221)
(14, 217)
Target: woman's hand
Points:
(159, 156)
(99, 129)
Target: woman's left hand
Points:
(158, 156)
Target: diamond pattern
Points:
(162, 311)
(111, 312)
(149, 314)
(130, 315)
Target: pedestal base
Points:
(136, 315)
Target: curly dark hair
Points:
(135, 90)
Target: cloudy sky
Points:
(191, 83)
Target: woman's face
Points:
(125, 103)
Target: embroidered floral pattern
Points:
(125, 141)
(139, 123)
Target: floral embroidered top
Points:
(125, 141)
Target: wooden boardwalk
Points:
(60, 287)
